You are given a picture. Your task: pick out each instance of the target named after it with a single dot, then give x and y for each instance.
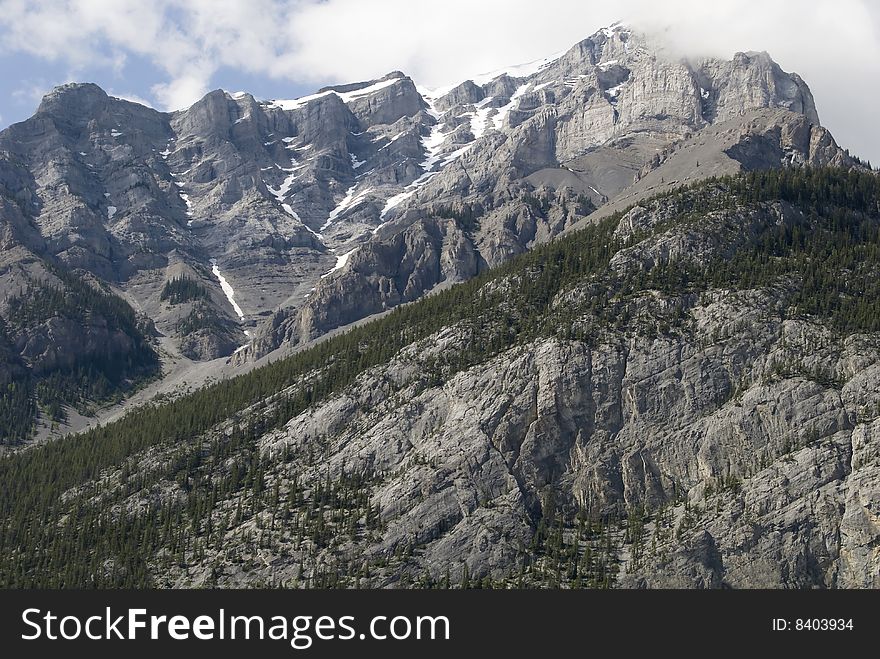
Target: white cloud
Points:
(435, 42)
(833, 44)
(32, 91)
(182, 91)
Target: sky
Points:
(169, 53)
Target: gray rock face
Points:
(132, 195)
(756, 78)
(380, 276)
(322, 210)
(387, 105)
(612, 120)
(761, 471)
(466, 93)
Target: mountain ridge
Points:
(298, 221)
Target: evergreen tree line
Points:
(826, 257)
(182, 289)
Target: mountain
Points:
(609, 120)
(241, 227)
(607, 319)
(683, 394)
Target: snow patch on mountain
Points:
(365, 91)
(519, 70)
(189, 210)
(396, 200)
(613, 92)
(280, 193)
(340, 263)
(434, 142)
(348, 201)
(227, 289)
(455, 155)
(479, 119)
(433, 146)
(390, 141)
(498, 119)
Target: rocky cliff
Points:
(679, 395)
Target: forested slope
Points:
(682, 394)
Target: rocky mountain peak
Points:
(73, 96)
(574, 124)
(214, 112)
(751, 80)
(363, 85)
(74, 105)
(321, 210)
